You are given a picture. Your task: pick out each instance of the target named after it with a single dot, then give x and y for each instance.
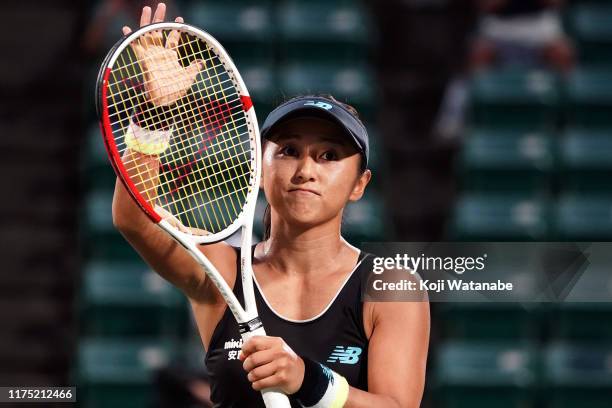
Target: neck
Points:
(304, 250)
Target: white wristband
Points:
(318, 377)
(337, 391)
(152, 142)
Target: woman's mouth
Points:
(305, 191)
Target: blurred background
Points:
(489, 120)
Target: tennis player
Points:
(326, 347)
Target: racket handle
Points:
(275, 399)
(271, 397)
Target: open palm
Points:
(166, 80)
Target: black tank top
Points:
(336, 338)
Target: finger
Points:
(255, 343)
(261, 372)
(126, 30)
(145, 17)
(174, 36)
(160, 13)
(272, 381)
(192, 70)
(258, 359)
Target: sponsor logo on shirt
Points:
(232, 344)
(345, 355)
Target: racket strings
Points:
(138, 98)
(204, 177)
(179, 132)
(176, 159)
(136, 83)
(138, 184)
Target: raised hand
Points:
(166, 80)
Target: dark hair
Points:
(267, 217)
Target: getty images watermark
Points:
(414, 265)
(489, 272)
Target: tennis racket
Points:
(186, 147)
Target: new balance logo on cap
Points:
(319, 104)
(345, 355)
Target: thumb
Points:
(193, 69)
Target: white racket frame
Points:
(272, 398)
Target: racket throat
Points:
(250, 326)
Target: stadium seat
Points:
(585, 160)
(364, 220)
(348, 83)
(584, 217)
(496, 216)
(480, 321)
(587, 300)
(591, 27)
(484, 374)
(514, 98)
(499, 159)
(119, 373)
(97, 172)
(242, 21)
(589, 98)
(101, 240)
(322, 30)
(120, 299)
(578, 375)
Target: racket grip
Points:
(271, 397)
(275, 399)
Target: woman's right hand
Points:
(166, 80)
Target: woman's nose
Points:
(305, 169)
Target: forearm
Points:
(143, 171)
(362, 399)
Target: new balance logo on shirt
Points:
(345, 355)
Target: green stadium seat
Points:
(578, 375)
(348, 83)
(484, 374)
(589, 98)
(246, 21)
(514, 98)
(585, 159)
(323, 21)
(119, 373)
(120, 299)
(586, 217)
(481, 321)
(500, 159)
(97, 172)
(500, 216)
(101, 240)
(322, 30)
(587, 302)
(591, 28)
(364, 220)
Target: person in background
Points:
(522, 32)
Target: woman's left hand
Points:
(270, 363)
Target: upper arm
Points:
(397, 354)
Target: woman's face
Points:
(311, 170)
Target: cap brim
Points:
(308, 111)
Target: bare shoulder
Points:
(397, 309)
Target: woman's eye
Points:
(288, 151)
(329, 155)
